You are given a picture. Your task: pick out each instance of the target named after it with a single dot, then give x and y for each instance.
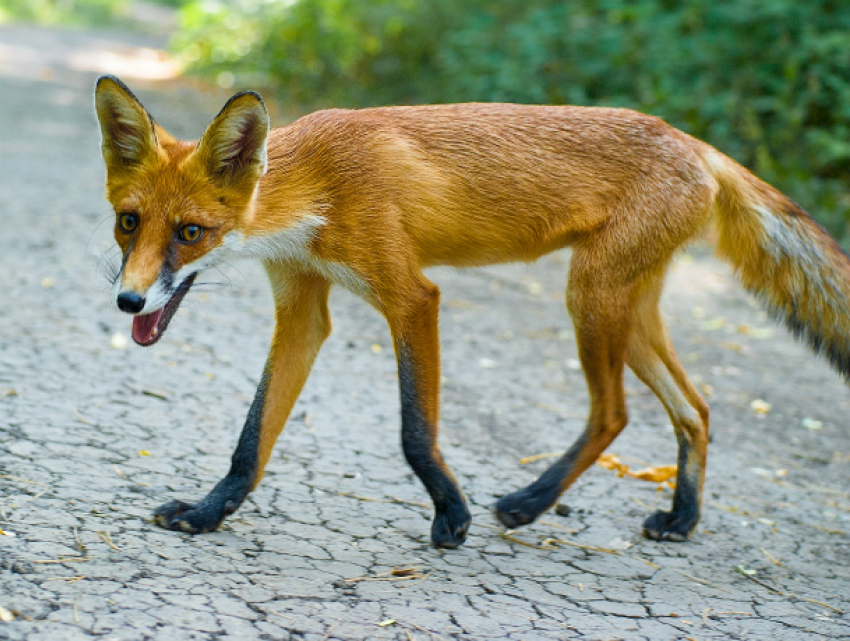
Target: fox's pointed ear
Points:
(127, 130)
(233, 148)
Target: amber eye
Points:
(190, 233)
(127, 222)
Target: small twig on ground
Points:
(396, 574)
(771, 558)
(389, 499)
(789, 594)
(67, 579)
(702, 581)
(20, 480)
(539, 457)
(510, 537)
(560, 527)
(107, 538)
(74, 559)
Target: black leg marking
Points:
(525, 505)
(226, 497)
(677, 524)
(451, 516)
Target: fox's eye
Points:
(190, 233)
(127, 222)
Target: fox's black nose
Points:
(130, 302)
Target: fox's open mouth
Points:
(149, 328)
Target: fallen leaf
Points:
(144, 453)
(612, 462)
(384, 624)
(760, 407)
(657, 474)
(745, 571)
(6, 615)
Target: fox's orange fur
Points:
(368, 198)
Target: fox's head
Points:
(175, 202)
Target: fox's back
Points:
(489, 182)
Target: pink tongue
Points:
(144, 327)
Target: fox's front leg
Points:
(302, 323)
(414, 326)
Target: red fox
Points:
(367, 198)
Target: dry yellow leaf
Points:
(655, 474)
(759, 406)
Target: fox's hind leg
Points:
(600, 307)
(652, 359)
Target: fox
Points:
(366, 199)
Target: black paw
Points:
(449, 528)
(521, 507)
(194, 518)
(670, 526)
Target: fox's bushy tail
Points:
(785, 259)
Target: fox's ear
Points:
(233, 148)
(127, 130)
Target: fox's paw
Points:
(449, 528)
(521, 507)
(670, 526)
(194, 518)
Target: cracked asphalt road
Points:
(93, 437)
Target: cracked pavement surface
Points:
(94, 436)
